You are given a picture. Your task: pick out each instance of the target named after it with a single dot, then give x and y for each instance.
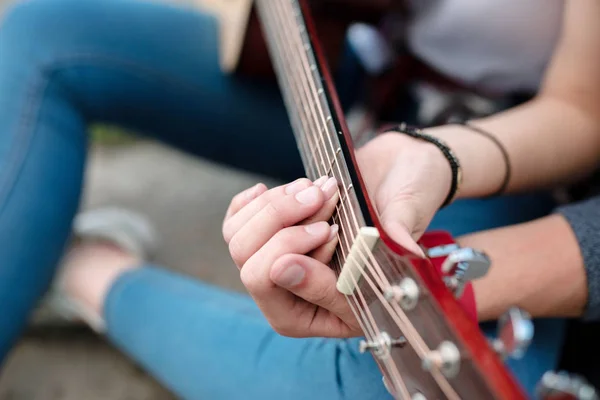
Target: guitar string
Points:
(304, 84)
(304, 89)
(361, 254)
(408, 325)
(368, 328)
(391, 368)
(412, 335)
(405, 392)
(355, 284)
(286, 65)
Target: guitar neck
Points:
(313, 107)
(445, 355)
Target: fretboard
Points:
(314, 111)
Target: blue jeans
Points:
(154, 68)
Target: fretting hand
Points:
(280, 241)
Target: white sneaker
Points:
(128, 230)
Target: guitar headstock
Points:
(426, 342)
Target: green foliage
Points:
(111, 136)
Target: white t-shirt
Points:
(500, 45)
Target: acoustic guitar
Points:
(427, 345)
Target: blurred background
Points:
(186, 199)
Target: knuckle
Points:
(237, 251)
(322, 297)
(305, 181)
(285, 238)
(272, 210)
(249, 279)
(284, 328)
(237, 201)
(226, 231)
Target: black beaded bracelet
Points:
(448, 153)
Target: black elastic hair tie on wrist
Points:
(446, 151)
(502, 149)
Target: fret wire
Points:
(360, 294)
(311, 168)
(310, 129)
(305, 92)
(369, 314)
(308, 108)
(341, 211)
(360, 252)
(342, 222)
(344, 239)
(303, 57)
(369, 330)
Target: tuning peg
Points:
(515, 331)
(563, 386)
(464, 265)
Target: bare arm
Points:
(536, 266)
(552, 139)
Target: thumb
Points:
(316, 283)
(402, 235)
(400, 221)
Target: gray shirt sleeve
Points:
(584, 218)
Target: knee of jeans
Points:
(30, 30)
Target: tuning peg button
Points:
(464, 265)
(515, 332)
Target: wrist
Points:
(433, 149)
(482, 165)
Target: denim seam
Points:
(33, 100)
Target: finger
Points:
(331, 193)
(239, 219)
(312, 281)
(276, 302)
(324, 253)
(279, 213)
(242, 199)
(293, 240)
(401, 235)
(399, 213)
(288, 314)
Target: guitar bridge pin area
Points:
(446, 358)
(406, 293)
(381, 345)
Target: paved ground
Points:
(186, 199)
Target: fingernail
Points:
(291, 276)
(308, 196)
(334, 230)
(329, 188)
(296, 186)
(252, 192)
(321, 181)
(317, 229)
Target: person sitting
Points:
(154, 67)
